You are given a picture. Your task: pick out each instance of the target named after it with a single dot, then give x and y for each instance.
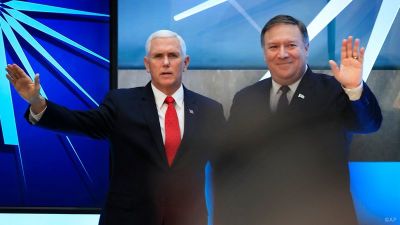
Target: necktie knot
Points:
(284, 89)
(169, 100)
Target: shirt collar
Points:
(293, 87)
(160, 96)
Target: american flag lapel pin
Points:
(301, 96)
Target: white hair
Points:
(165, 34)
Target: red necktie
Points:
(172, 131)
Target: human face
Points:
(165, 63)
(285, 53)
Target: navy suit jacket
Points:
(291, 168)
(143, 188)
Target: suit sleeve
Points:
(228, 156)
(217, 133)
(367, 113)
(96, 123)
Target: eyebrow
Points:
(165, 52)
(279, 42)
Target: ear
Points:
(186, 63)
(265, 55)
(146, 64)
(306, 46)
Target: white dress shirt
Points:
(162, 108)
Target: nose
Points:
(282, 52)
(166, 61)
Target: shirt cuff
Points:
(34, 118)
(354, 93)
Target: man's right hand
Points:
(28, 89)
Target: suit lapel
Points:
(304, 93)
(151, 115)
(267, 89)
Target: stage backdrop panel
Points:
(68, 44)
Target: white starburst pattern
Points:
(16, 23)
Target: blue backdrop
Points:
(226, 35)
(68, 43)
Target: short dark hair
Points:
(285, 19)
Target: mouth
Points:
(284, 63)
(166, 73)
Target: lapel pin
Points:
(301, 96)
(191, 111)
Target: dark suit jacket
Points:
(144, 190)
(291, 168)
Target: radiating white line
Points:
(384, 21)
(211, 3)
(19, 51)
(22, 166)
(325, 16)
(242, 11)
(7, 119)
(79, 159)
(47, 30)
(198, 8)
(35, 7)
(28, 37)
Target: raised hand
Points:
(349, 74)
(28, 89)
